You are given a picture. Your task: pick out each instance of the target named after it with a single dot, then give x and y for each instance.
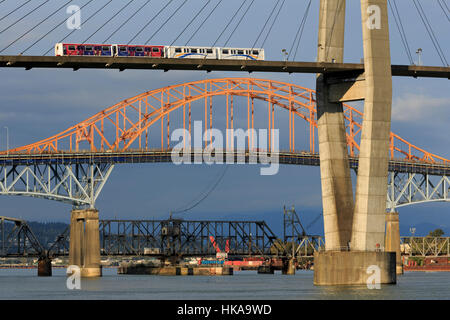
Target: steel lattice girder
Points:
(410, 188)
(76, 184)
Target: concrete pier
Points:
(44, 267)
(354, 268)
(175, 270)
(288, 267)
(84, 249)
(392, 242)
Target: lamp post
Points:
(285, 53)
(419, 54)
(7, 141)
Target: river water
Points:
(243, 285)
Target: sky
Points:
(38, 103)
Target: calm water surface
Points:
(24, 284)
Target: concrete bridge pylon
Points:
(355, 231)
(84, 249)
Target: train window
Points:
(106, 48)
(209, 51)
(240, 51)
(225, 51)
(123, 49)
(147, 49)
(194, 50)
(155, 49)
(255, 52)
(177, 49)
(139, 49)
(88, 48)
(71, 47)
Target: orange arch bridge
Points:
(142, 125)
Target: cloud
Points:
(419, 107)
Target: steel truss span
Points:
(76, 184)
(138, 130)
(411, 188)
(180, 237)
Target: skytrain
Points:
(178, 52)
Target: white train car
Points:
(181, 52)
(241, 53)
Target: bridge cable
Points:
(205, 195)
(204, 21)
(153, 18)
(265, 24)
(401, 31)
(430, 32)
(2, 1)
(165, 22)
(23, 17)
(190, 22)
(37, 25)
(82, 23)
(314, 221)
(443, 10)
(62, 22)
(229, 22)
(124, 23)
(235, 28)
(301, 28)
(109, 20)
(273, 23)
(8, 14)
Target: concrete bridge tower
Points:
(354, 231)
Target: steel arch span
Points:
(142, 124)
(126, 125)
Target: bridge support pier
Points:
(288, 266)
(392, 242)
(336, 266)
(44, 267)
(354, 268)
(84, 249)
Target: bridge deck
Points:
(122, 63)
(164, 156)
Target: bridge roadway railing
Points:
(158, 155)
(77, 178)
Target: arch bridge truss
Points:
(74, 165)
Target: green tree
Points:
(436, 233)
